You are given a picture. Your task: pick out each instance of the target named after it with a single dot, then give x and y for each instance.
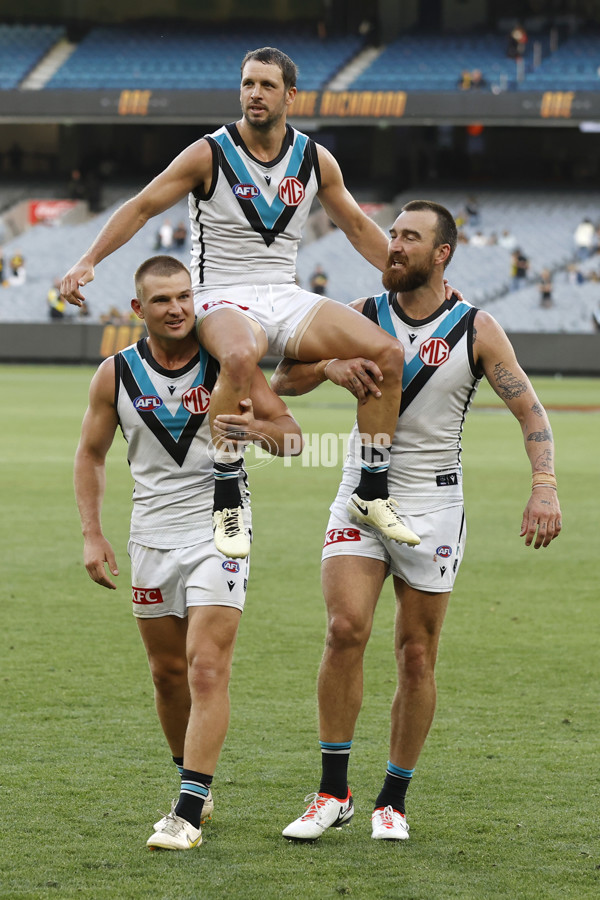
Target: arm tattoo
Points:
(474, 335)
(544, 462)
(537, 410)
(539, 436)
(508, 385)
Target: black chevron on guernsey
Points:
(177, 449)
(423, 376)
(268, 235)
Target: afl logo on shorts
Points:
(147, 403)
(337, 535)
(230, 565)
(196, 400)
(434, 352)
(291, 191)
(444, 551)
(245, 191)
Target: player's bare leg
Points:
(165, 641)
(339, 331)
(351, 586)
(419, 620)
(212, 632)
(238, 343)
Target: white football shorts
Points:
(167, 582)
(284, 311)
(430, 566)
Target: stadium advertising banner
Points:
(329, 107)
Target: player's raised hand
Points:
(78, 275)
(97, 553)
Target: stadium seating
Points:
(575, 66)
(191, 58)
(21, 48)
(542, 223)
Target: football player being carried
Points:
(449, 346)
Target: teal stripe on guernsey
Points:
(325, 745)
(190, 787)
(384, 315)
(444, 328)
(174, 424)
(401, 773)
(269, 213)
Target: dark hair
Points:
(274, 57)
(165, 266)
(445, 232)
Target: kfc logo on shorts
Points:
(196, 400)
(245, 191)
(147, 403)
(338, 535)
(291, 191)
(434, 352)
(147, 596)
(444, 551)
(230, 565)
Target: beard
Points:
(408, 278)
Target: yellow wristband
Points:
(544, 479)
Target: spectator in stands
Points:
(507, 240)
(519, 266)
(585, 239)
(165, 235)
(472, 212)
(545, 288)
(17, 268)
(517, 42)
(56, 304)
(76, 187)
(318, 281)
(574, 274)
(179, 236)
(479, 239)
(472, 81)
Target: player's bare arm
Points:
(265, 420)
(193, 167)
(97, 433)
(341, 207)
(542, 521)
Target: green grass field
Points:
(505, 800)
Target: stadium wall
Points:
(83, 343)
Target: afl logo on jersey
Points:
(434, 352)
(196, 400)
(230, 565)
(245, 191)
(147, 402)
(291, 191)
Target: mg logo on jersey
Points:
(434, 352)
(147, 402)
(337, 535)
(245, 191)
(291, 191)
(196, 400)
(147, 596)
(230, 565)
